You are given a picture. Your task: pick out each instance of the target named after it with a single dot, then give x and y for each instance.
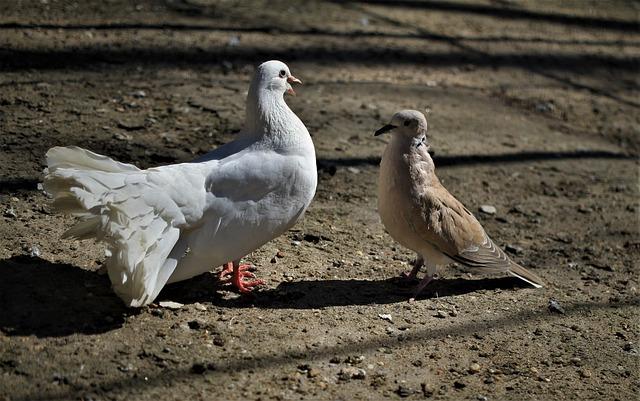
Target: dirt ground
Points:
(533, 108)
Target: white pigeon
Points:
(171, 223)
(423, 216)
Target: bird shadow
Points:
(46, 299)
(313, 294)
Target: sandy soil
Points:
(533, 108)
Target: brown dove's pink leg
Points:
(425, 281)
(432, 274)
(417, 264)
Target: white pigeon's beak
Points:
(291, 79)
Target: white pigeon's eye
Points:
(406, 123)
(283, 73)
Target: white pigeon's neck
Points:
(268, 115)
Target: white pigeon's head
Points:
(410, 123)
(274, 76)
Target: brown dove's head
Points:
(410, 123)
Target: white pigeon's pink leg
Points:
(238, 272)
(227, 269)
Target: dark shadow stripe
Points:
(30, 184)
(18, 184)
(465, 160)
(510, 13)
(94, 57)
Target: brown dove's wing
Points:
(441, 220)
(454, 230)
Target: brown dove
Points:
(423, 216)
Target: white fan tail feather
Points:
(116, 203)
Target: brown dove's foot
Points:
(425, 281)
(417, 264)
(238, 272)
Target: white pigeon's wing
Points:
(248, 175)
(252, 197)
(138, 214)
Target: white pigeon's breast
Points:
(249, 203)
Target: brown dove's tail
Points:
(518, 271)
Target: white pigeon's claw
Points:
(173, 222)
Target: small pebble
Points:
(404, 391)
(171, 305)
(441, 314)
(157, 312)
(34, 252)
(428, 389)
(350, 372)
(354, 360)
(585, 209)
(585, 374)
(555, 307)
(474, 368)
(488, 209)
(139, 94)
(514, 249)
(385, 316)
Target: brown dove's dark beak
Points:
(291, 79)
(385, 129)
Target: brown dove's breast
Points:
(399, 211)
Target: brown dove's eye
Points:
(283, 73)
(406, 123)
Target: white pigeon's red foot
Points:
(238, 272)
